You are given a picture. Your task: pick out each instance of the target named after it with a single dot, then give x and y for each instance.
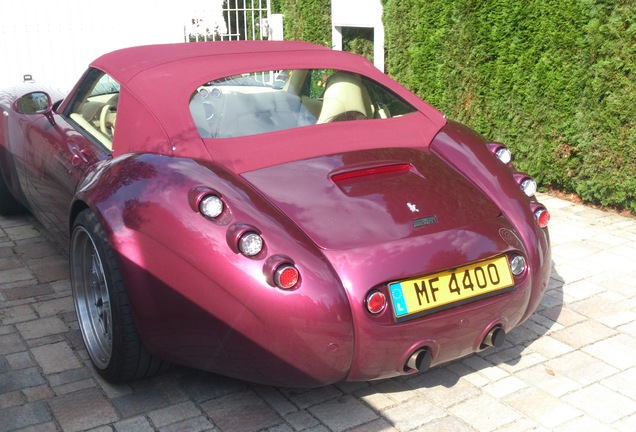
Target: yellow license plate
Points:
(438, 291)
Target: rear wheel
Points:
(102, 307)
(8, 204)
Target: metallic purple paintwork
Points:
(197, 301)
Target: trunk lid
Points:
(355, 199)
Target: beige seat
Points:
(345, 98)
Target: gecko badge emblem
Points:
(412, 207)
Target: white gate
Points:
(234, 20)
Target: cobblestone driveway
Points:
(571, 367)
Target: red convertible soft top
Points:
(124, 64)
(162, 78)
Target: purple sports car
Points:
(273, 211)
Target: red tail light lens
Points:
(376, 302)
(543, 217)
(286, 276)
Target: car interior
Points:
(264, 102)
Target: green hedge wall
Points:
(305, 20)
(553, 79)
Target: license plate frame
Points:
(420, 296)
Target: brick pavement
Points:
(571, 367)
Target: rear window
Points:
(262, 102)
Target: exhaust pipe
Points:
(419, 361)
(494, 338)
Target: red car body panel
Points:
(197, 301)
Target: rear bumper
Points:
(383, 346)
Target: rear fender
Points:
(465, 150)
(194, 298)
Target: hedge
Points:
(553, 79)
(305, 20)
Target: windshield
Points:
(269, 101)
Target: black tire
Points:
(103, 311)
(8, 204)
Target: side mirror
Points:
(35, 103)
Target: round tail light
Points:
(250, 244)
(286, 276)
(211, 206)
(504, 155)
(376, 302)
(529, 186)
(543, 217)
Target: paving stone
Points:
(601, 403)
(343, 413)
(135, 424)
(626, 424)
(203, 386)
(623, 383)
(17, 314)
(484, 367)
(69, 376)
(26, 292)
(485, 413)
(10, 399)
(82, 410)
(16, 380)
(413, 414)
(56, 358)
(444, 424)
(275, 399)
(35, 249)
(173, 414)
(548, 347)
(9, 262)
(378, 425)
(139, 402)
(37, 393)
(618, 351)
(544, 378)
(24, 416)
(15, 275)
(41, 327)
(444, 388)
(239, 412)
(301, 420)
(74, 387)
(606, 311)
(505, 386)
(42, 427)
(197, 424)
(54, 307)
(307, 398)
(542, 407)
(580, 367)
(22, 232)
(585, 423)
(584, 333)
(20, 360)
(376, 400)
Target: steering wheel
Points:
(107, 120)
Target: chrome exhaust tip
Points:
(494, 338)
(419, 361)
